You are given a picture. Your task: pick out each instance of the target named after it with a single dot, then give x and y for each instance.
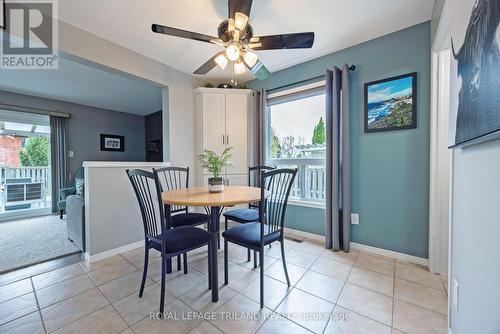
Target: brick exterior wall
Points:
(9, 151)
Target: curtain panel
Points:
(58, 157)
(338, 192)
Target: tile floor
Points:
(332, 292)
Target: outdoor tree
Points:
(319, 132)
(275, 144)
(35, 153)
(288, 148)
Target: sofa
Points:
(75, 220)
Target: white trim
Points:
(441, 39)
(392, 254)
(113, 252)
(124, 164)
(201, 90)
(297, 89)
(308, 204)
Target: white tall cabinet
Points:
(222, 120)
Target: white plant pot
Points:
(215, 184)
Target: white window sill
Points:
(309, 204)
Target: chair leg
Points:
(61, 214)
(249, 255)
(144, 271)
(255, 260)
(179, 263)
(226, 273)
(185, 263)
(218, 240)
(209, 269)
(261, 258)
(284, 262)
(162, 291)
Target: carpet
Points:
(31, 241)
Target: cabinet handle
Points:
(223, 140)
(227, 139)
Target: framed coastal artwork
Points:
(391, 104)
(475, 72)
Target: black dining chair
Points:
(270, 227)
(251, 214)
(169, 242)
(171, 178)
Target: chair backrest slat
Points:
(272, 209)
(172, 178)
(254, 179)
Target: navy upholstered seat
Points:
(249, 235)
(181, 238)
(188, 219)
(243, 215)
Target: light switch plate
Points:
(354, 219)
(71, 154)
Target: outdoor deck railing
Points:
(36, 174)
(310, 183)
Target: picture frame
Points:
(112, 143)
(391, 103)
(3, 15)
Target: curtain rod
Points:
(351, 68)
(34, 110)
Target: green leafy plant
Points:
(319, 133)
(213, 162)
(35, 153)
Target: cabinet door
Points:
(213, 122)
(237, 132)
(237, 180)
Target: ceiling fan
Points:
(236, 36)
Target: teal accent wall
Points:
(389, 170)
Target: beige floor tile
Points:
(118, 268)
(416, 320)
(154, 271)
(310, 247)
(127, 331)
(138, 261)
(201, 264)
(200, 298)
(64, 290)
(237, 253)
(276, 271)
(58, 275)
(375, 263)
(17, 307)
(105, 320)
(275, 250)
(239, 276)
(301, 258)
(15, 289)
(74, 308)
(133, 308)
(341, 256)
(277, 324)
(268, 261)
(274, 291)
(205, 328)
(123, 286)
(230, 320)
(368, 303)
(307, 310)
(344, 321)
(418, 275)
(185, 283)
(445, 284)
(29, 324)
(368, 279)
(397, 331)
(321, 286)
(91, 266)
(335, 269)
(429, 298)
(177, 321)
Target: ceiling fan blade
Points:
(207, 67)
(184, 34)
(260, 71)
(242, 6)
(303, 40)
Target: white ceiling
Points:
(337, 24)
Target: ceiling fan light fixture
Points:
(221, 61)
(250, 59)
(233, 52)
(239, 68)
(230, 25)
(240, 21)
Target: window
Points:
(296, 138)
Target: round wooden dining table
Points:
(214, 203)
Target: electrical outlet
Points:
(354, 219)
(456, 290)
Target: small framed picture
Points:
(3, 15)
(391, 104)
(112, 143)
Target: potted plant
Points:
(214, 163)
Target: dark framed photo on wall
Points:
(391, 104)
(112, 143)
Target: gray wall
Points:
(389, 170)
(85, 126)
(474, 243)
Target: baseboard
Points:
(388, 253)
(113, 252)
(290, 232)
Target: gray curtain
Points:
(259, 130)
(338, 192)
(58, 157)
